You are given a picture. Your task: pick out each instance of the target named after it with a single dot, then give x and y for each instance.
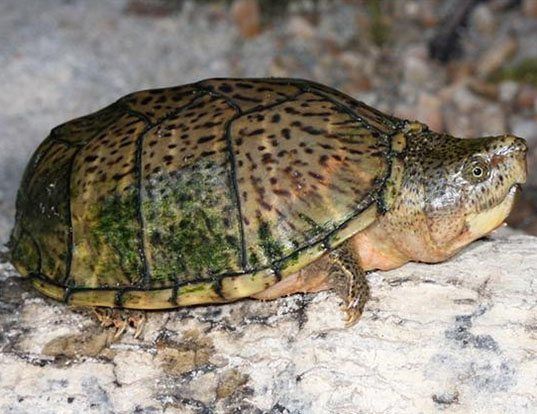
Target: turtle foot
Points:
(121, 320)
(349, 280)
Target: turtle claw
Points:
(121, 326)
(354, 308)
(121, 320)
(137, 321)
(351, 317)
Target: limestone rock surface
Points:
(460, 337)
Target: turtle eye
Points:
(477, 170)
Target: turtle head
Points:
(459, 190)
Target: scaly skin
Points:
(442, 206)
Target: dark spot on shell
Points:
(246, 98)
(316, 175)
(206, 138)
(226, 88)
(281, 192)
(312, 131)
(207, 153)
(243, 85)
(255, 132)
(91, 158)
(291, 110)
(323, 160)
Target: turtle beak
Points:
(512, 152)
(519, 150)
(508, 159)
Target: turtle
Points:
(225, 189)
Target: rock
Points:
(496, 56)
(466, 101)
(405, 111)
(530, 8)
(486, 89)
(301, 27)
(152, 8)
(417, 69)
(429, 111)
(527, 98)
(247, 17)
(526, 128)
(490, 120)
(338, 24)
(474, 353)
(423, 12)
(458, 123)
(483, 20)
(508, 91)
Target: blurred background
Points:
(466, 67)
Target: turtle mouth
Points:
(515, 191)
(482, 223)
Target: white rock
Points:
(490, 120)
(530, 8)
(465, 100)
(497, 55)
(458, 336)
(525, 128)
(416, 69)
(508, 91)
(429, 111)
(299, 26)
(483, 19)
(247, 17)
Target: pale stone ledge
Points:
(459, 336)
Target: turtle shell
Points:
(201, 193)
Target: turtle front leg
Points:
(347, 277)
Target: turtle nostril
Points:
(524, 146)
(513, 145)
(520, 145)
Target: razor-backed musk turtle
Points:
(233, 188)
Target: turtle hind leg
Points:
(347, 277)
(311, 279)
(121, 320)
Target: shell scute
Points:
(104, 206)
(188, 203)
(155, 104)
(43, 217)
(381, 121)
(303, 167)
(248, 95)
(78, 131)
